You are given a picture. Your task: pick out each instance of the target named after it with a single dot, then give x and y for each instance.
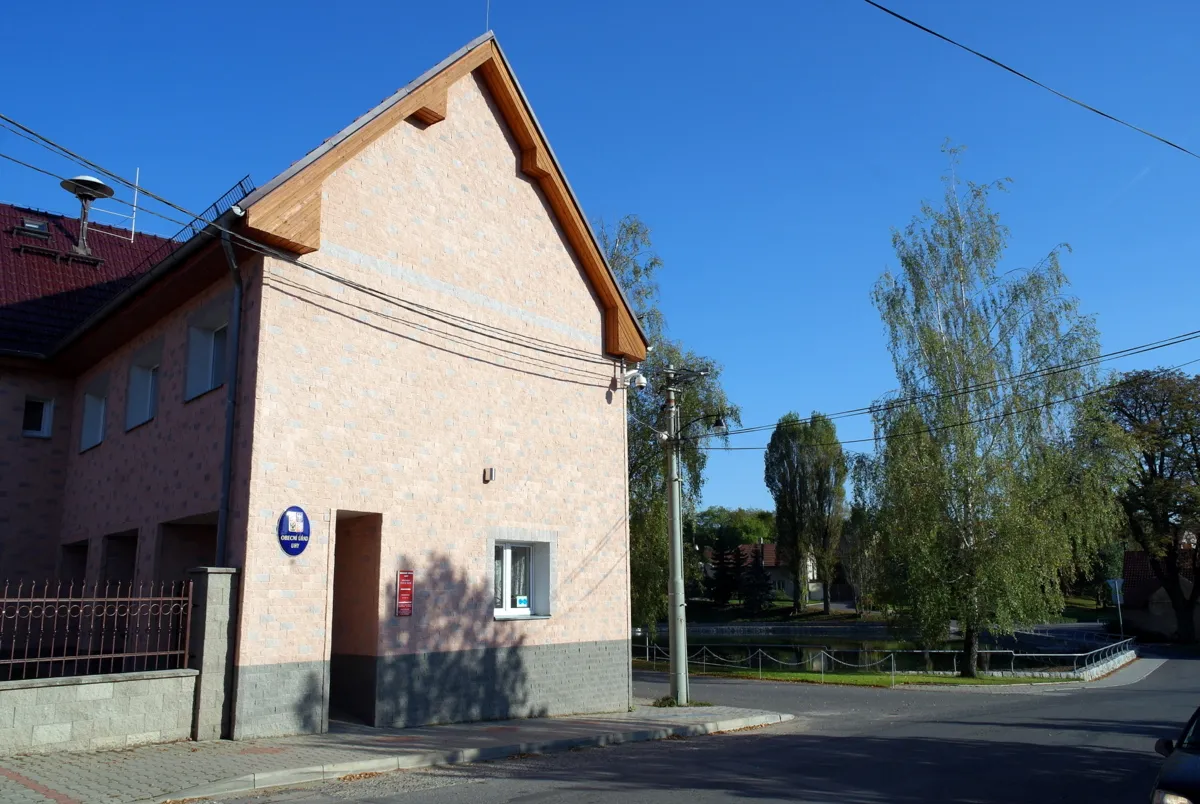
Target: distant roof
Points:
(47, 290)
(750, 553)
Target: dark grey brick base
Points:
(499, 683)
(425, 688)
(277, 699)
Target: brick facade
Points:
(473, 341)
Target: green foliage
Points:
(631, 255)
(862, 547)
(756, 588)
(805, 471)
(1159, 414)
(988, 487)
(728, 565)
(739, 525)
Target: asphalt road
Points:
(846, 745)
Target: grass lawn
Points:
(851, 679)
(1084, 610)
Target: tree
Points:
(787, 481)
(749, 525)
(827, 463)
(805, 471)
(728, 564)
(862, 544)
(630, 254)
(981, 478)
(757, 589)
(1160, 413)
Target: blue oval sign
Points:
(294, 531)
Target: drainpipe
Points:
(231, 386)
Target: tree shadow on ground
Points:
(853, 770)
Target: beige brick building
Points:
(429, 367)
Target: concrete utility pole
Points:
(677, 595)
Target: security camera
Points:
(639, 382)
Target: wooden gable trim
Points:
(289, 216)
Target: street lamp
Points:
(676, 594)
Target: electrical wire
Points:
(980, 420)
(535, 343)
(1130, 351)
(1031, 80)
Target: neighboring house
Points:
(1146, 604)
(782, 579)
(437, 390)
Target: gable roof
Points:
(285, 212)
(47, 290)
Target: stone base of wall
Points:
(428, 688)
(88, 712)
(499, 683)
(274, 700)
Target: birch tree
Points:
(979, 470)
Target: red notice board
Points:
(404, 593)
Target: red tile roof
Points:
(47, 290)
(750, 553)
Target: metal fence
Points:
(823, 659)
(52, 629)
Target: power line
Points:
(981, 419)
(1031, 80)
(530, 342)
(1130, 351)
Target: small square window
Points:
(206, 359)
(521, 574)
(141, 399)
(38, 417)
(95, 411)
(32, 225)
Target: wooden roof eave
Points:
(286, 212)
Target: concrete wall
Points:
(88, 712)
(32, 476)
(365, 405)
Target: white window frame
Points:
(47, 428)
(206, 369)
(92, 427)
(506, 609)
(141, 394)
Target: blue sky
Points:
(771, 146)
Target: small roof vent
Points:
(87, 189)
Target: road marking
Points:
(41, 790)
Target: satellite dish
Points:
(87, 187)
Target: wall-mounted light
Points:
(489, 474)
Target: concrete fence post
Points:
(214, 622)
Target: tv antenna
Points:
(132, 218)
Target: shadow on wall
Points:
(451, 661)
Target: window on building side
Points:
(95, 411)
(38, 417)
(513, 568)
(207, 341)
(141, 401)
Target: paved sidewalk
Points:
(156, 773)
